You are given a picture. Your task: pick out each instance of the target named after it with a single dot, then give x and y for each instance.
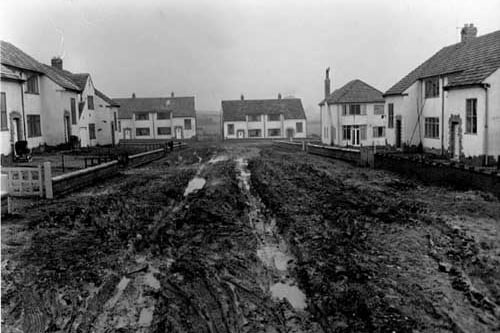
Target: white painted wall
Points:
(494, 113)
(12, 90)
(264, 125)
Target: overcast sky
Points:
(219, 49)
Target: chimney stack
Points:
(242, 97)
(57, 62)
(172, 94)
(469, 31)
(133, 95)
(327, 83)
(279, 96)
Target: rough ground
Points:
(353, 250)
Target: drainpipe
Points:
(442, 117)
(24, 117)
(486, 106)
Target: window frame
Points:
(137, 129)
(33, 123)
(276, 130)
(381, 109)
(32, 86)
(431, 87)
(254, 118)
(230, 129)
(297, 127)
(186, 122)
(90, 102)
(257, 130)
(269, 117)
(346, 132)
(390, 115)
(355, 110)
(4, 121)
(72, 107)
(92, 132)
(431, 128)
(141, 116)
(167, 128)
(376, 131)
(163, 115)
(471, 116)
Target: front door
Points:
(16, 129)
(398, 133)
(455, 141)
(355, 135)
(127, 135)
(84, 137)
(178, 132)
(240, 134)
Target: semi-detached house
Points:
(450, 104)
(263, 118)
(157, 117)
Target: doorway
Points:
(178, 132)
(455, 140)
(67, 128)
(84, 137)
(289, 133)
(398, 133)
(112, 134)
(355, 135)
(240, 134)
(16, 129)
(127, 134)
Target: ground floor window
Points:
(142, 131)
(274, 132)
(379, 131)
(164, 131)
(119, 126)
(187, 124)
(432, 127)
(34, 128)
(299, 127)
(230, 129)
(471, 116)
(255, 133)
(346, 135)
(92, 131)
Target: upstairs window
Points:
(3, 112)
(187, 124)
(32, 85)
(254, 117)
(432, 127)
(432, 87)
(378, 109)
(299, 127)
(163, 115)
(273, 117)
(354, 109)
(471, 116)
(230, 129)
(90, 102)
(73, 111)
(390, 122)
(142, 116)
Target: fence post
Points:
(47, 170)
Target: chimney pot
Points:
(242, 97)
(327, 82)
(468, 32)
(57, 62)
(279, 96)
(172, 94)
(133, 95)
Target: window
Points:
(344, 110)
(90, 102)
(378, 109)
(187, 124)
(115, 120)
(73, 111)
(378, 131)
(163, 115)
(142, 116)
(230, 129)
(3, 112)
(254, 117)
(432, 87)
(390, 123)
(273, 117)
(471, 116)
(346, 135)
(92, 131)
(142, 131)
(164, 131)
(299, 127)
(34, 128)
(354, 109)
(32, 85)
(119, 126)
(274, 132)
(432, 127)
(256, 133)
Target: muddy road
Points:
(251, 239)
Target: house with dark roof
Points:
(263, 118)
(157, 117)
(44, 104)
(450, 104)
(352, 115)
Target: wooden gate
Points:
(24, 182)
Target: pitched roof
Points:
(466, 63)
(181, 106)
(355, 91)
(7, 73)
(61, 77)
(106, 98)
(13, 56)
(236, 110)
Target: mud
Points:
(242, 238)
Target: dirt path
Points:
(247, 239)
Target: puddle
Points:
(216, 159)
(194, 185)
(272, 249)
